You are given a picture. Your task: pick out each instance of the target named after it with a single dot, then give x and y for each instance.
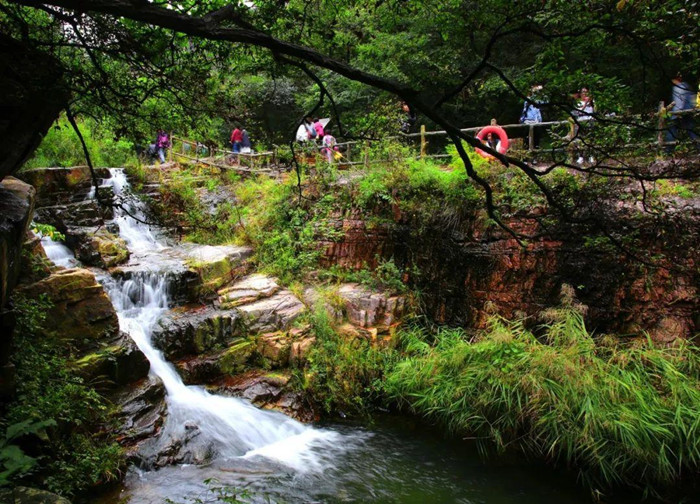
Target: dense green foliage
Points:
(620, 415)
(61, 147)
(72, 452)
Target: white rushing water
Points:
(232, 427)
(58, 253)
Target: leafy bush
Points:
(75, 453)
(61, 147)
(343, 373)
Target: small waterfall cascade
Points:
(130, 217)
(58, 253)
(230, 427)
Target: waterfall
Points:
(232, 427)
(58, 253)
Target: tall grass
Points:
(621, 416)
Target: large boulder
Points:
(193, 330)
(81, 310)
(247, 290)
(16, 207)
(120, 361)
(216, 265)
(26, 495)
(62, 186)
(273, 313)
(80, 213)
(16, 210)
(141, 412)
(203, 369)
(32, 94)
(366, 308)
(97, 246)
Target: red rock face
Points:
(465, 276)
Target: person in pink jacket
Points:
(319, 128)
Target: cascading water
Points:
(229, 426)
(58, 253)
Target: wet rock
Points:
(121, 362)
(141, 411)
(189, 330)
(273, 313)
(59, 186)
(247, 290)
(268, 390)
(81, 310)
(216, 265)
(26, 495)
(210, 367)
(80, 213)
(97, 246)
(365, 308)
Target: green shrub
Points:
(620, 415)
(61, 147)
(76, 452)
(343, 373)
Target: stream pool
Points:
(393, 461)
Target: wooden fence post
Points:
(366, 160)
(662, 125)
(531, 138)
(347, 153)
(423, 143)
(172, 146)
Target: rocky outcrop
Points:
(467, 271)
(80, 312)
(16, 210)
(141, 412)
(59, 188)
(97, 246)
(193, 330)
(247, 290)
(32, 94)
(26, 495)
(366, 308)
(119, 361)
(269, 390)
(16, 207)
(216, 265)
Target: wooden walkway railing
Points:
(358, 152)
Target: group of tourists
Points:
(314, 131)
(240, 141)
(683, 99)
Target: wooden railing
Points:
(357, 152)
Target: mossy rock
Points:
(26, 495)
(235, 357)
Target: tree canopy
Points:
(198, 66)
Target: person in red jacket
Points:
(236, 140)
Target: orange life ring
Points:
(502, 137)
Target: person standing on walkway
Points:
(683, 97)
(245, 142)
(583, 120)
(236, 139)
(162, 144)
(531, 113)
(328, 146)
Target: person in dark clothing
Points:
(409, 120)
(683, 97)
(245, 142)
